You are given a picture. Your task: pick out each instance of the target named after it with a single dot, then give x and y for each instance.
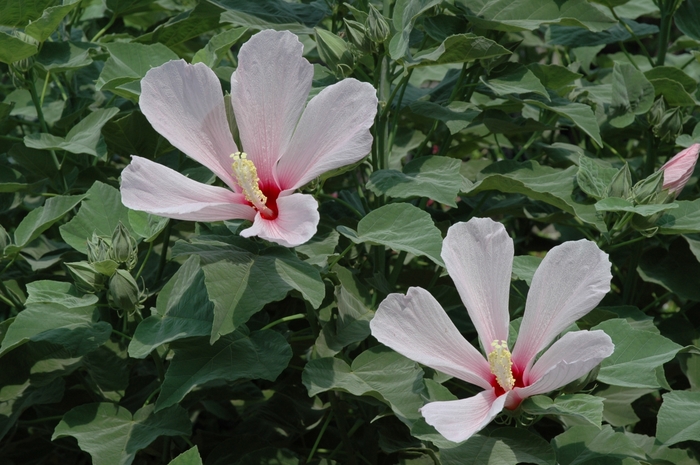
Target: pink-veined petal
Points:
(458, 420)
(417, 327)
(154, 188)
(677, 170)
(295, 224)
(268, 93)
(184, 103)
(333, 132)
(571, 280)
(478, 256)
(569, 358)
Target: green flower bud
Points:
(621, 183)
(656, 112)
(124, 249)
(5, 240)
(86, 277)
(355, 32)
(97, 249)
(377, 26)
(646, 190)
(124, 294)
(334, 52)
(670, 126)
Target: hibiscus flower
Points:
(677, 170)
(285, 142)
(570, 281)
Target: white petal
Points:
(268, 93)
(154, 188)
(458, 420)
(295, 224)
(333, 132)
(184, 103)
(478, 256)
(571, 280)
(416, 326)
(569, 358)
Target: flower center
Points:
(500, 364)
(247, 177)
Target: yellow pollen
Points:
(500, 363)
(247, 177)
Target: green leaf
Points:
(109, 369)
(133, 135)
(499, 447)
(555, 77)
(405, 14)
(673, 91)
(76, 329)
(579, 406)
(399, 226)
(241, 282)
(683, 220)
(20, 13)
(124, 7)
(617, 403)
(459, 48)
(12, 406)
(632, 94)
(673, 73)
(13, 49)
(50, 18)
(616, 204)
(189, 457)
(188, 312)
(594, 176)
(578, 37)
(377, 372)
(82, 138)
(259, 355)
(678, 420)
(456, 116)
(203, 18)
(580, 115)
(57, 292)
(543, 183)
(128, 62)
(687, 18)
(58, 57)
(436, 178)
(146, 225)
(506, 15)
(524, 267)
(40, 219)
(100, 213)
(676, 269)
(589, 444)
(273, 14)
(515, 79)
(217, 46)
(638, 353)
(320, 247)
(110, 434)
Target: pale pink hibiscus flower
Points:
(286, 142)
(570, 281)
(677, 170)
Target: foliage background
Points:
(192, 344)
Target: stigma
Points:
(247, 177)
(500, 364)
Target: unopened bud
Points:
(377, 27)
(86, 277)
(124, 249)
(621, 183)
(656, 112)
(355, 32)
(97, 249)
(670, 126)
(334, 52)
(677, 170)
(123, 293)
(644, 192)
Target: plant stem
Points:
(320, 435)
(297, 316)
(104, 29)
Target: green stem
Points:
(11, 139)
(159, 365)
(650, 158)
(151, 395)
(41, 420)
(320, 435)
(104, 29)
(398, 266)
(11, 297)
(636, 39)
(347, 205)
(342, 254)
(164, 252)
(145, 259)
(343, 429)
(297, 316)
(666, 9)
(121, 334)
(624, 244)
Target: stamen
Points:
(247, 177)
(500, 363)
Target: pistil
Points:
(247, 177)
(501, 365)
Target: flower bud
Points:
(378, 29)
(97, 249)
(334, 52)
(124, 248)
(621, 183)
(645, 191)
(86, 277)
(677, 170)
(355, 32)
(670, 126)
(5, 240)
(123, 293)
(656, 112)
